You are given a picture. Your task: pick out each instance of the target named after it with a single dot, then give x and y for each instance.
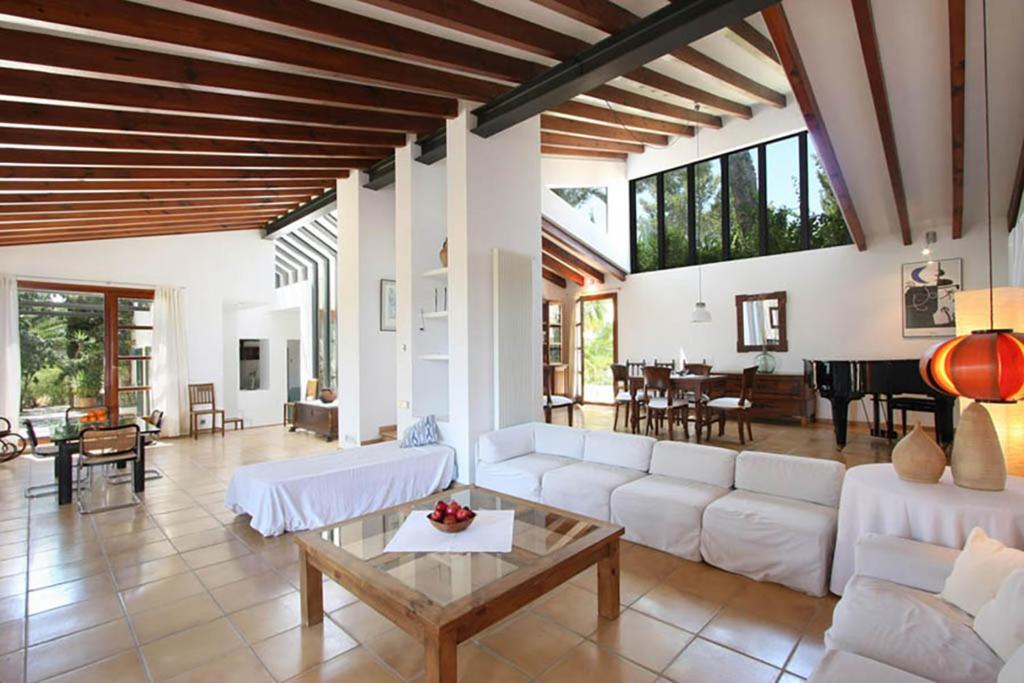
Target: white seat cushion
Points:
(911, 630)
(585, 487)
(769, 538)
(46, 450)
(661, 403)
(664, 512)
(838, 666)
(625, 397)
(728, 403)
(696, 462)
(792, 476)
(619, 450)
(519, 476)
(558, 401)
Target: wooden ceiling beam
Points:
(557, 251)
(755, 41)
(10, 156)
(561, 269)
(162, 174)
(75, 211)
(58, 54)
(789, 53)
(157, 144)
(576, 152)
(92, 235)
(629, 98)
(622, 119)
(139, 200)
(147, 187)
(596, 130)
(228, 41)
(11, 226)
(957, 78)
(73, 89)
(554, 278)
(112, 120)
(577, 142)
(883, 115)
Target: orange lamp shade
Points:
(985, 366)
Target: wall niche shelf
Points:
(440, 273)
(436, 315)
(439, 357)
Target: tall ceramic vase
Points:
(977, 460)
(918, 458)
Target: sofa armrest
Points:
(910, 563)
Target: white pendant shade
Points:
(700, 314)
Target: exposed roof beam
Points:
(9, 156)
(147, 198)
(565, 140)
(557, 251)
(92, 235)
(621, 119)
(552, 277)
(785, 43)
(880, 97)
(555, 232)
(112, 215)
(150, 206)
(20, 224)
(561, 269)
(1016, 192)
(957, 65)
(629, 98)
(161, 187)
(310, 208)
(759, 44)
(576, 152)
(596, 130)
(173, 174)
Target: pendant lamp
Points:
(700, 314)
(985, 365)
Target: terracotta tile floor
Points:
(181, 589)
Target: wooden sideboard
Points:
(778, 396)
(319, 418)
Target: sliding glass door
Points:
(596, 346)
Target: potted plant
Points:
(85, 370)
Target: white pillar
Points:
(366, 354)
(494, 201)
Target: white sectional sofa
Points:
(778, 524)
(892, 627)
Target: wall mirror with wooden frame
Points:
(761, 322)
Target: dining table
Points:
(66, 436)
(701, 386)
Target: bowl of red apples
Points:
(451, 517)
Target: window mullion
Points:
(726, 218)
(805, 228)
(632, 226)
(661, 220)
(762, 197)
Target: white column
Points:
(494, 201)
(366, 354)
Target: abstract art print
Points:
(388, 305)
(929, 295)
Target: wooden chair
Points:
(662, 404)
(698, 369)
(106, 446)
(202, 401)
(670, 364)
(716, 409)
(553, 401)
(623, 395)
(636, 369)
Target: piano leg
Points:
(944, 406)
(840, 415)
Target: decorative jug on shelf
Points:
(443, 254)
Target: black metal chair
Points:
(100, 446)
(41, 451)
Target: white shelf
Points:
(436, 315)
(440, 357)
(441, 273)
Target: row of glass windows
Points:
(769, 199)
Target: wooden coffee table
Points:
(443, 599)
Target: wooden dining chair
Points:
(634, 399)
(203, 401)
(698, 369)
(662, 403)
(670, 364)
(553, 401)
(636, 369)
(717, 409)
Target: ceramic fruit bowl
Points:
(451, 517)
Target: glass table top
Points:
(69, 431)
(447, 577)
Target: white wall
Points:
(263, 406)
(216, 270)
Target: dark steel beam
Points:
(312, 206)
(433, 147)
(381, 174)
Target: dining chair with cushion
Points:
(716, 409)
(553, 401)
(670, 364)
(155, 418)
(203, 401)
(623, 395)
(99, 446)
(636, 369)
(698, 369)
(662, 403)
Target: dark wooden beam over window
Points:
(554, 278)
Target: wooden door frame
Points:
(614, 296)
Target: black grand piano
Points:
(897, 383)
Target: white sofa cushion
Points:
(1000, 623)
(619, 450)
(769, 538)
(520, 476)
(558, 440)
(664, 512)
(911, 630)
(911, 563)
(1013, 671)
(838, 666)
(708, 464)
(791, 476)
(979, 570)
(585, 487)
(510, 442)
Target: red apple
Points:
(450, 519)
(436, 516)
(441, 506)
(453, 509)
(462, 515)
(470, 513)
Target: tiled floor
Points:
(182, 590)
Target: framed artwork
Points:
(388, 305)
(929, 294)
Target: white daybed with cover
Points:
(318, 490)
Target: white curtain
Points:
(1017, 254)
(170, 360)
(10, 351)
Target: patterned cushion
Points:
(423, 432)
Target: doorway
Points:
(597, 346)
(294, 383)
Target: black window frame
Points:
(803, 141)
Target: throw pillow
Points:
(1000, 623)
(423, 432)
(979, 570)
(1013, 671)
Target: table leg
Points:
(441, 658)
(311, 589)
(698, 411)
(608, 583)
(64, 483)
(139, 471)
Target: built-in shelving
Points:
(440, 357)
(436, 314)
(440, 273)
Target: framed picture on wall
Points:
(388, 305)
(929, 297)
